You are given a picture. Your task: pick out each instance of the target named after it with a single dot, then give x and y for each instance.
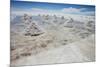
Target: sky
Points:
(20, 7)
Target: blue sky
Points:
(53, 7)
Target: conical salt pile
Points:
(31, 29)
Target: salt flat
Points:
(81, 51)
(63, 40)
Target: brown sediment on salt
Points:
(29, 47)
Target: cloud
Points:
(43, 10)
(36, 11)
(81, 11)
(73, 10)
